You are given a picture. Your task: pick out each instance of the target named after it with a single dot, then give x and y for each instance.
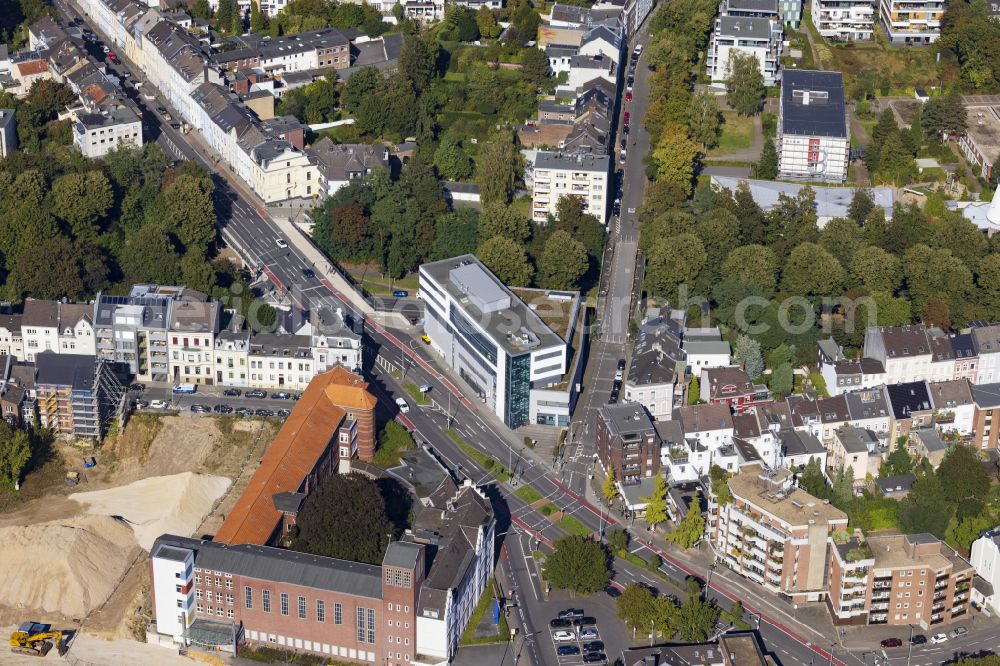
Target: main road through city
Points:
(249, 230)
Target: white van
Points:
(403, 406)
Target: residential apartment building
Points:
(11, 337)
(162, 333)
(555, 175)
(987, 345)
(759, 37)
(502, 343)
(8, 132)
(898, 580)
(339, 164)
(986, 415)
(656, 371)
(855, 449)
(62, 328)
(627, 444)
(910, 406)
(774, 533)
(954, 406)
(814, 142)
(844, 20)
(77, 396)
(326, 48)
(904, 352)
(733, 387)
(911, 22)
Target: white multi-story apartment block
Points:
(106, 127)
(759, 37)
(904, 351)
(813, 137)
(8, 132)
(54, 326)
(844, 20)
(499, 344)
(912, 21)
(555, 175)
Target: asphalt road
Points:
(253, 235)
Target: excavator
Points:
(36, 639)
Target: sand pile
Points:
(64, 566)
(174, 504)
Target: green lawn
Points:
(485, 461)
(737, 134)
(528, 494)
(415, 393)
(574, 526)
(484, 605)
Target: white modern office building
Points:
(501, 346)
(814, 142)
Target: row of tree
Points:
(927, 265)
(968, 30)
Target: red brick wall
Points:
(291, 625)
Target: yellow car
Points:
(426, 339)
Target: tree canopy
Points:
(578, 564)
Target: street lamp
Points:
(650, 633)
(909, 648)
(708, 583)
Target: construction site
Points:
(76, 548)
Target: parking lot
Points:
(576, 638)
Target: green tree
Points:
(15, 453)
(895, 162)
(578, 564)
(488, 26)
(534, 65)
(673, 261)
(224, 15)
(47, 269)
(636, 607)
(694, 391)
(656, 503)
(609, 490)
(361, 85)
(186, 209)
(936, 273)
(150, 256)
(841, 238)
(813, 481)
(988, 281)
(498, 169)
(963, 475)
(746, 352)
(237, 26)
(455, 233)
(961, 533)
(843, 486)
(696, 617)
(705, 119)
(862, 204)
(812, 272)
(417, 62)
(736, 616)
(781, 379)
(451, 160)
(258, 22)
(690, 530)
(327, 524)
(925, 508)
(507, 260)
(82, 200)
(767, 167)
(945, 114)
(876, 269)
(675, 156)
(745, 85)
(499, 219)
(200, 10)
(752, 263)
(898, 462)
(563, 262)
(618, 539)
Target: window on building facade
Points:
(284, 603)
(320, 611)
(338, 613)
(266, 600)
(248, 595)
(302, 608)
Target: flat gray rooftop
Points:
(487, 302)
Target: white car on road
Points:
(403, 406)
(157, 404)
(939, 638)
(563, 636)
